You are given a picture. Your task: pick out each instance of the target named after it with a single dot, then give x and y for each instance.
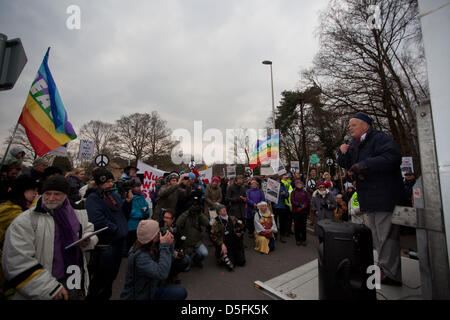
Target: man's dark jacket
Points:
(380, 187)
(236, 206)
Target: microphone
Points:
(347, 138)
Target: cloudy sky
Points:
(187, 59)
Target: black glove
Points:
(358, 168)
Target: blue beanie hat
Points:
(191, 175)
(364, 117)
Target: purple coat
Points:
(300, 199)
(254, 196)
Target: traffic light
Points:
(12, 61)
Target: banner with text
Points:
(151, 174)
(206, 174)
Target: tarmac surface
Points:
(214, 282)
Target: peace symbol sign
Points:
(101, 160)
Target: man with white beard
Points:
(35, 261)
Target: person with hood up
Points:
(322, 204)
(21, 197)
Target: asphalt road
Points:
(213, 282)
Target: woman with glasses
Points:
(322, 204)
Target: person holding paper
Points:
(35, 262)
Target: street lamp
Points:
(271, 82)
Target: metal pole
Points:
(273, 101)
(431, 239)
(9, 144)
(307, 176)
(3, 39)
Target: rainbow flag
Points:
(43, 115)
(265, 150)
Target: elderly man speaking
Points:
(35, 261)
(375, 160)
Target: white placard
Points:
(407, 165)
(231, 171)
(277, 166)
(272, 191)
(86, 149)
(295, 165)
(205, 174)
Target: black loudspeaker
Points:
(345, 253)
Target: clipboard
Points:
(88, 235)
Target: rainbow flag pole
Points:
(43, 115)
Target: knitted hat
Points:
(171, 176)
(56, 183)
(101, 175)
(21, 184)
(364, 117)
(297, 182)
(147, 230)
(219, 207)
(215, 179)
(191, 175)
(321, 183)
(52, 170)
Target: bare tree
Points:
(101, 133)
(373, 63)
(143, 136)
(21, 140)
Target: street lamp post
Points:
(271, 82)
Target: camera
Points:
(325, 203)
(123, 186)
(240, 227)
(227, 262)
(180, 253)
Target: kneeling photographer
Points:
(189, 225)
(149, 263)
(179, 261)
(227, 235)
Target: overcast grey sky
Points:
(187, 59)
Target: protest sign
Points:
(407, 165)
(151, 174)
(231, 171)
(295, 165)
(205, 174)
(272, 191)
(86, 149)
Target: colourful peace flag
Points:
(43, 115)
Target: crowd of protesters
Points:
(43, 212)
